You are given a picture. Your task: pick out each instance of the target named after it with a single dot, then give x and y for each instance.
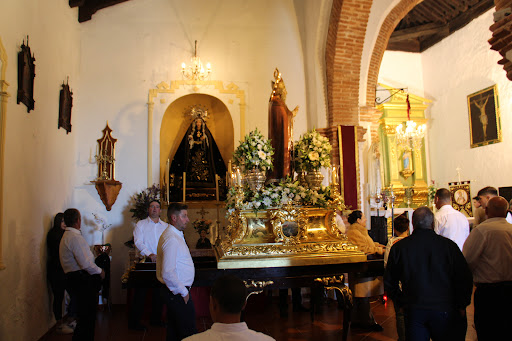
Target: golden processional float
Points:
(285, 222)
(292, 234)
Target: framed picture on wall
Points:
(484, 117)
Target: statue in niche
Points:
(199, 158)
(280, 130)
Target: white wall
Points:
(402, 70)
(39, 159)
(131, 47)
(456, 67)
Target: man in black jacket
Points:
(429, 278)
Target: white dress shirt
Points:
(146, 235)
(174, 265)
(228, 332)
(452, 224)
(488, 251)
(75, 254)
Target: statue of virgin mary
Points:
(199, 157)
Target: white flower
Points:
(262, 154)
(257, 204)
(267, 202)
(313, 156)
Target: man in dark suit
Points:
(428, 277)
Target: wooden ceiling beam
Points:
(418, 31)
(86, 8)
(457, 23)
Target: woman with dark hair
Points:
(55, 273)
(364, 287)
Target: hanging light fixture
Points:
(411, 133)
(196, 71)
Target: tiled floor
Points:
(262, 314)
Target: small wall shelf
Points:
(108, 191)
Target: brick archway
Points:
(344, 48)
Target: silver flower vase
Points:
(314, 179)
(255, 179)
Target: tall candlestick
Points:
(238, 177)
(229, 167)
(184, 185)
(217, 187)
(218, 223)
(335, 175)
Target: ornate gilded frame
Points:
(289, 217)
(4, 96)
(484, 117)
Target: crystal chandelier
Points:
(411, 134)
(196, 71)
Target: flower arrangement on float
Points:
(286, 192)
(254, 152)
(313, 151)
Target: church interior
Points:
(366, 64)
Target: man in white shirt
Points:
(449, 222)
(145, 236)
(83, 275)
(227, 300)
(485, 194)
(175, 269)
(488, 253)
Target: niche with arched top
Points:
(176, 121)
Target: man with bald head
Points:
(488, 251)
(430, 281)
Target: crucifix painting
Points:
(484, 117)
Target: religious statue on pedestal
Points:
(280, 130)
(199, 158)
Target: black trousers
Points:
(181, 317)
(492, 304)
(137, 308)
(57, 281)
(85, 288)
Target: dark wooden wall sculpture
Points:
(26, 75)
(65, 105)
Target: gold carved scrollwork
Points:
(390, 129)
(237, 227)
(253, 250)
(333, 283)
(259, 285)
(289, 225)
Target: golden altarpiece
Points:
(404, 164)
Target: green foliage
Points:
(142, 200)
